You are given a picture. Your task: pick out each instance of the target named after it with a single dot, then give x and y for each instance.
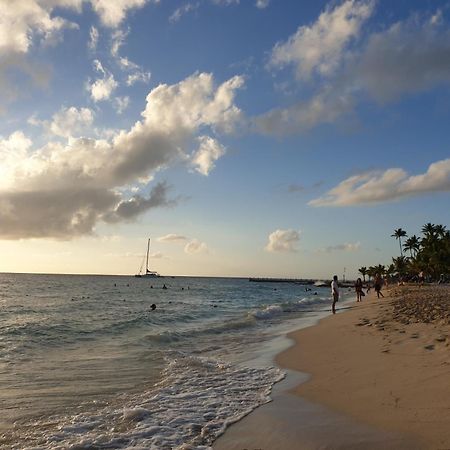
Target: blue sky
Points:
(246, 138)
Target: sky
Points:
(272, 138)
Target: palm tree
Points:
(440, 230)
(380, 269)
(363, 272)
(398, 234)
(401, 265)
(390, 270)
(371, 271)
(429, 229)
(412, 244)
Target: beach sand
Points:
(380, 378)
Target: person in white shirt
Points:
(334, 293)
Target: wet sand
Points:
(380, 378)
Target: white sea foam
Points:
(193, 404)
(268, 312)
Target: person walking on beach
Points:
(359, 290)
(377, 284)
(421, 278)
(334, 293)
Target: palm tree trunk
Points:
(400, 243)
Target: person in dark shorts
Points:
(359, 290)
(334, 293)
(421, 278)
(377, 284)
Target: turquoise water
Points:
(86, 363)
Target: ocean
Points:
(85, 363)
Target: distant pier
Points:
(282, 280)
(304, 282)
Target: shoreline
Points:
(377, 378)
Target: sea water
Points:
(85, 363)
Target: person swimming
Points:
(153, 306)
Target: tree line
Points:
(428, 253)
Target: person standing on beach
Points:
(359, 290)
(334, 293)
(377, 284)
(421, 277)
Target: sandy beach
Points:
(380, 378)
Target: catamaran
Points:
(147, 273)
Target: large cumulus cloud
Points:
(64, 190)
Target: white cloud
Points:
(261, 4)
(226, 2)
(283, 241)
(173, 238)
(102, 88)
(121, 104)
(93, 39)
(13, 150)
(194, 102)
(409, 57)
(65, 190)
(347, 247)
(320, 48)
(27, 24)
(182, 10)
(195, 247)
(22, 21)
(112, 13)
(138, 76)
(118, 39)
(25, 20)
(191, 6)
(70, 121)
(209, 151)
(392, 184)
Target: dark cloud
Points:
(142, 150)
(409, 57)
(295, 188)
(128, 210)
(326, 107)
(61, 214)
(66, 214)
(13, 67)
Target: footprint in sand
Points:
(429, 347)
(415, 336)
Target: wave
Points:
(193, 404)
(204, 330)
(267, 313)
(273, 311)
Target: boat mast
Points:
(148, 248)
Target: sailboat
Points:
(147, 273)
